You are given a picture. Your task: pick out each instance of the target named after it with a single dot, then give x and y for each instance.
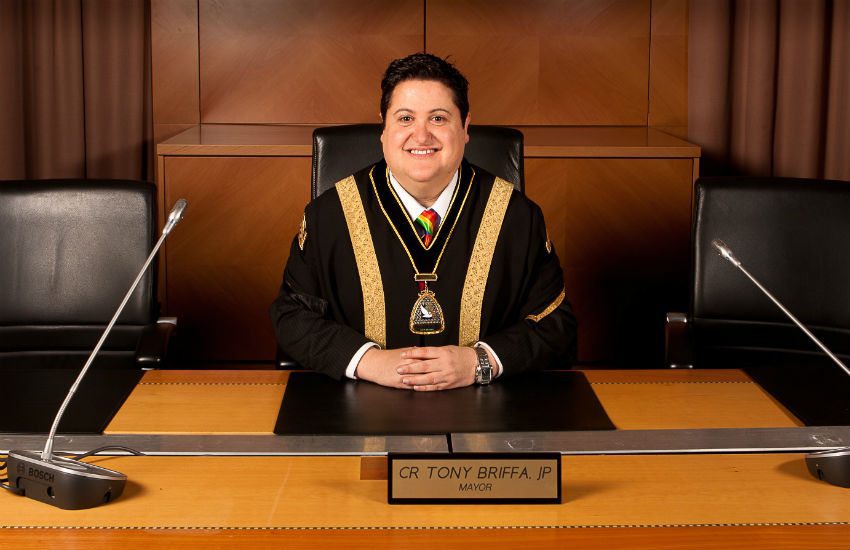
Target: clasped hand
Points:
(421, 369)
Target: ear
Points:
(383, 127)
(466, 127)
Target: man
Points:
(423, 271)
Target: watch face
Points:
(484, 372)
(483, 375)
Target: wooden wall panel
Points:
(621, 228)
(225, 261)
(174, 83)
(668, 70)
(162, 132)
(539, 63)
(564, 62)
(292, 61)
(174, 60)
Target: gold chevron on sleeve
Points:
(472, 299)
(374, 310)
(549, 309)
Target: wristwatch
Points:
(484, 371)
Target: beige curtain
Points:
(75, 96)
(769, 87)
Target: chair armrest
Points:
(153, 344)
(677, 342)
(283, 362)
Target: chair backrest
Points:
(339, 151)
(70, 249)
(790, 234)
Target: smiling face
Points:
(424, 136)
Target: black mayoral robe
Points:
(350, 281)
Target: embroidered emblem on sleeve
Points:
(549, 309)
(302, 233)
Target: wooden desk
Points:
(670, 501)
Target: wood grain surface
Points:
(540, 141)
(225, 261)
(174, 60)
(547, 61)
(291, 61)
(668, 68)
(220, 402)
(762, 537)
(604, 142)
(199, 408)
(326, 492)
(661, 501)
(621, 228)
(241, 139)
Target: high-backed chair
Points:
(792, 235)
(69, 250)
(339, 151)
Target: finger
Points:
(407, 362)
(421, 353)
(431, 387)
(418, 366)
(428, 379)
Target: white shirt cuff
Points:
(355, 360)
(493, 353)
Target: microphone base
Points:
(830, 466)
(63, 482)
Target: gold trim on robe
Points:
(374, 310)
(472, 299)
(302, 232)
(549, 309)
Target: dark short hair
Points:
(425, 66)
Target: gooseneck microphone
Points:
(67, 482)
(724, 251)
(832, 466)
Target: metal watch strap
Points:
(484, 371)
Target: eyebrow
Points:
(440, 109)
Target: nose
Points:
(421, 133)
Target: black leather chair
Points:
(69, 250)
(339, 151)
(792, 235)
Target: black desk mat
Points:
(541, 401)
(814, 389)
(30, 399)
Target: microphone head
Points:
(175, 215)
(724, 250)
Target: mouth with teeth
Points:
(422, 152)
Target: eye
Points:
(405, 119)
(438, 119)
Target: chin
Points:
(423, 177)
(420, 173)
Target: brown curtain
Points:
(769, 87)
(75, 96)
